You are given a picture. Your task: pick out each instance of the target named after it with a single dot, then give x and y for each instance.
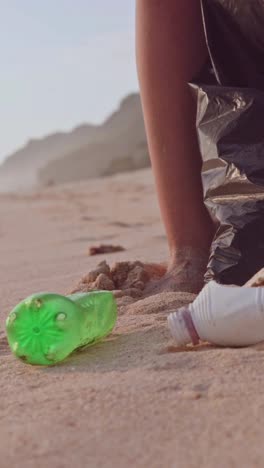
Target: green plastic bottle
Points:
(45, 328)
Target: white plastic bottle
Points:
(223, 315)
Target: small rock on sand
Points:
(102, 249)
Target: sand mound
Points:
(128, 281)
(165, 301)
(124, 278)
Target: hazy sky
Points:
(63, 62)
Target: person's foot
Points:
(185, 273)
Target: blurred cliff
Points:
(118, 145)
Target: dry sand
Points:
(133, 400)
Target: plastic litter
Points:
(222, 315)
(230, 116)
(45, 328)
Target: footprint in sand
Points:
(125, 225)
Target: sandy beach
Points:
(134, 400)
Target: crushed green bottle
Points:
(45, 328)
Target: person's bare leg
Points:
(171, 50)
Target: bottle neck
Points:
(182, 327)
